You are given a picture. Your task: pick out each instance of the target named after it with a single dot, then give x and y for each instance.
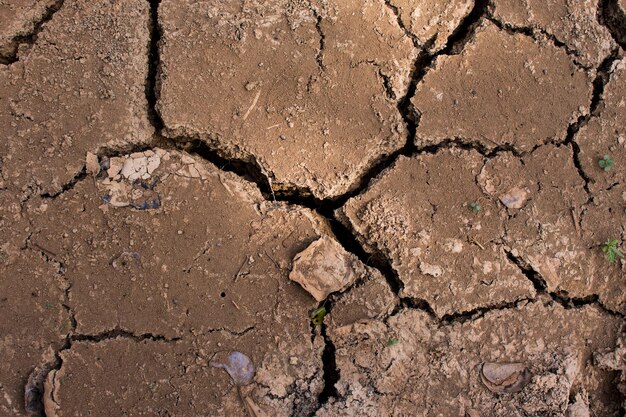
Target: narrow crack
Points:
(120, 334)
(411, 303)
(465, 144)
(249, 170)
(154, 60)
(465, 31)
(34, 388)
(348, 240)
(78, 177)
(560, 297)
(232, 332)
(407, 32)
(479, 312)
(603, 76)
(30, 38)
(330, 370)
(319, 57)
(531, 274)
(52, 258)
(613, 18)
(536, 34)
(425, 60)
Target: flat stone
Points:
(325, 267)
(287, 90)
(417, 215)
(508, 90)
(79, 88)
(606, 135)
(391, 367)
(432, 21)
(573, 23)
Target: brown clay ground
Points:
(181, 179)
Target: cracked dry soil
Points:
(182, 179)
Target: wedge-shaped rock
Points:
(187, 251)
(325, 267)
(79, 88)
(432, 21)
(18, 19)
(281, 81)
(573, 23)
(435, 370)
(606, 135)
(418, 215)
(501, 90)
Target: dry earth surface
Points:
(312, 208)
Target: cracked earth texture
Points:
(391, 207)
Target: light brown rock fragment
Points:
(432, 20)
(287, 89)
(606, 135)
(210, 258)
(434, 370)
(501, 90)
(80, 87)
(572, 22)
(18, 19)
(325, 267)
(504, 377)
(417, 215)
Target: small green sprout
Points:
(611, 251)
(392, 342)
(317, 316)
(49, 306)
(474, 206)
(606, 163)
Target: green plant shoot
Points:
(606, 163)
(317, 316)
(611, 251)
